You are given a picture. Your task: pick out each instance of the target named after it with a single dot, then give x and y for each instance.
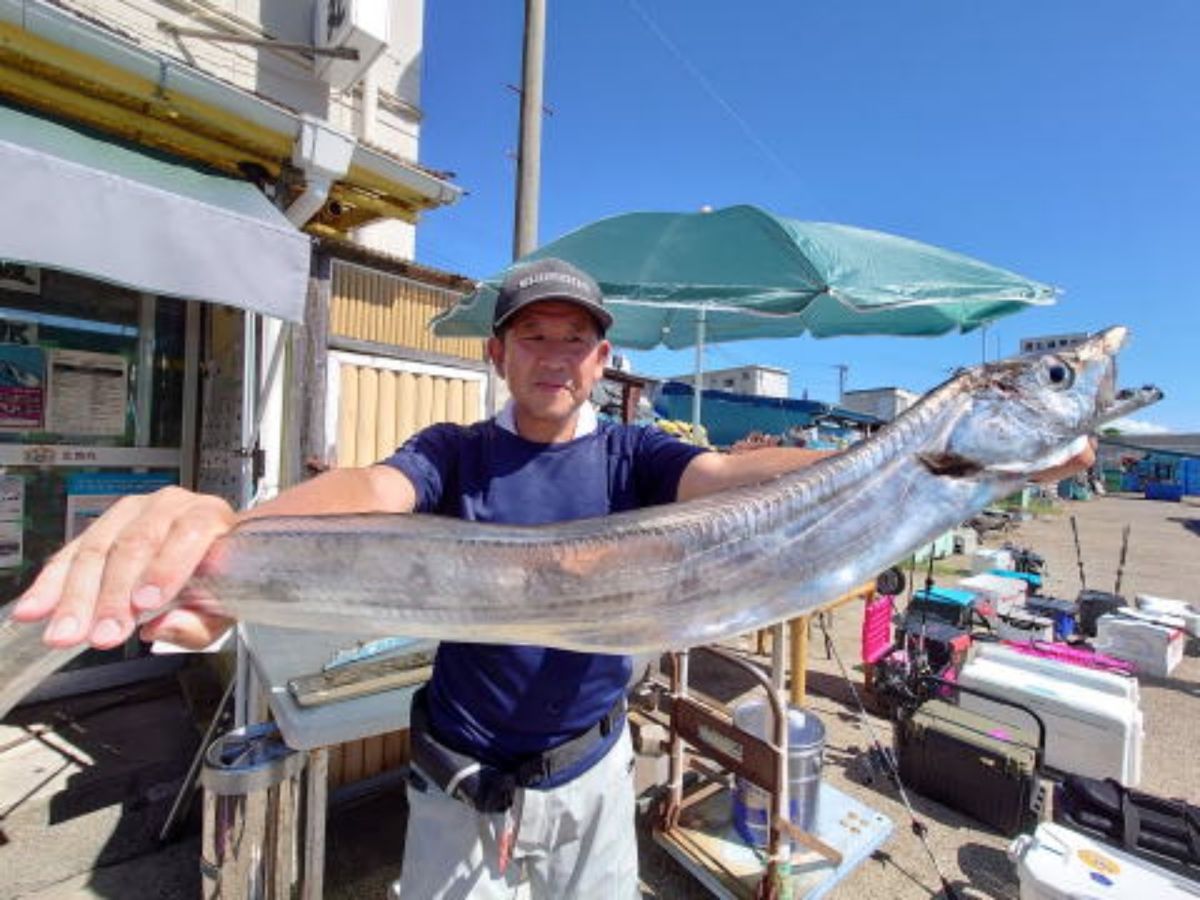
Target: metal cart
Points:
(694, 821)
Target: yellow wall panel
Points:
(375, 302)
(368, 410)
(385, 434)
(372, 755)
(352, 762)
(439, 412)
(424, 404)
(454, 401)
(368, 305)
(380, 406)
(406, 406)
(347, 415)
(334, 772)
(471, 401)
(395, 749)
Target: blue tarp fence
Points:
(730, 417)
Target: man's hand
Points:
(1080, 462)
(131, 561)
(137, 557)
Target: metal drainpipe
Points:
(323, 153)
(369, 111)
(308, 204)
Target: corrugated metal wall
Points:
(381, 403)
(367, 305)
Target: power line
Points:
(714, 95)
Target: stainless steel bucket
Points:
(806, 747)
(253, 816)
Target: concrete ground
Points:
(85, 786)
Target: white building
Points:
(186, 182)
(884, 403)
(752, 381)
(1052, 342)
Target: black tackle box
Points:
(1094, 604)
(1163, 831)
(970, 763)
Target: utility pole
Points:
(529, 150)
(843, 370)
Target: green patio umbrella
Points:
(687, 279)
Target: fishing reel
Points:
(890, 582)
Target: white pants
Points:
(576, 840)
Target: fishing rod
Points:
(919, 828)
(1079, 555)
(1121, 562)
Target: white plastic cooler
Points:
(1155, 649)
(1089, 731)
(1189, 613)
(1003, 593)
(1055, 863)
(985, 558)
(1122, 686)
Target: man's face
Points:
(551, 355)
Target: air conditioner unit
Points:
(360, 25)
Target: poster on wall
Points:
(12, 521)
(89, 494)
(22, 387)
(87, 393)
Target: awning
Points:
(86, 205)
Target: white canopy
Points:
(78, 202)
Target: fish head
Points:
(1024, 413)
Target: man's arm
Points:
(373, 489)
(712, 472)
(137, 557)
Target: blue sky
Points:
(1060, 140)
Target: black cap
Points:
(549, 279)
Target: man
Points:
(544, 724)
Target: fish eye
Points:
(1057, 374)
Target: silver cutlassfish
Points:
(669, 576)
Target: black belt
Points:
(544, 766)
(488, 788)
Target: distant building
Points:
(1052, 342)
(884, 403)
(750, 381)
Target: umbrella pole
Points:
(699, 373)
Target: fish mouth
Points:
(1128, 400)
(1102, 348)
(1110, 402)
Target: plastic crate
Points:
(1157, 490)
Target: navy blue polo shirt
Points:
(499, 703)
